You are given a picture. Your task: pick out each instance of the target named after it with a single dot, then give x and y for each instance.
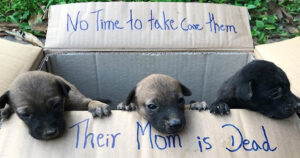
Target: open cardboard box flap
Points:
(241, 134)
(16, 58)
(126, 134)
(148, 26)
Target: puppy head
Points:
(160, 99)
(38, 99)
(267, 88)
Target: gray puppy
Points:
(160, 99)
(40, 98)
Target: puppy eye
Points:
(276, 93)
(57, 106)
(152, 106)
(25, 115)
(181, 101)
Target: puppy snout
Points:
(297, 107)
(175, 124)
(289, 108)
(50, 132)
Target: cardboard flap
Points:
(16, 58)
(148, 26)
(242, 134)
(286, 55)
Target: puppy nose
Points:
(50, 132)
(175, 123)
(290, 109)
(297, 107)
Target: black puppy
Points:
(259, 86)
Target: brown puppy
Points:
(40, 98)
(159, 99)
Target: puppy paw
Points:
(198, 106)
(219, 108)
(130, 107)
(6, 113)
(99, 109)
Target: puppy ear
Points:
(185, 90)
(64, 88)
(244, 91)
(4, 99)
(131, 96)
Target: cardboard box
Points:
(127, 134)
(113, 74)
(108, 63)
(148, 26)
(118, 58)
(16, 58)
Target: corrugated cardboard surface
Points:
(16, 58)
(214, 132)
(286, 55)
(112, 75)
(81, 26)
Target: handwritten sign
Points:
(161, 142)
(241, 134)
(148, 26)
(164, 24)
